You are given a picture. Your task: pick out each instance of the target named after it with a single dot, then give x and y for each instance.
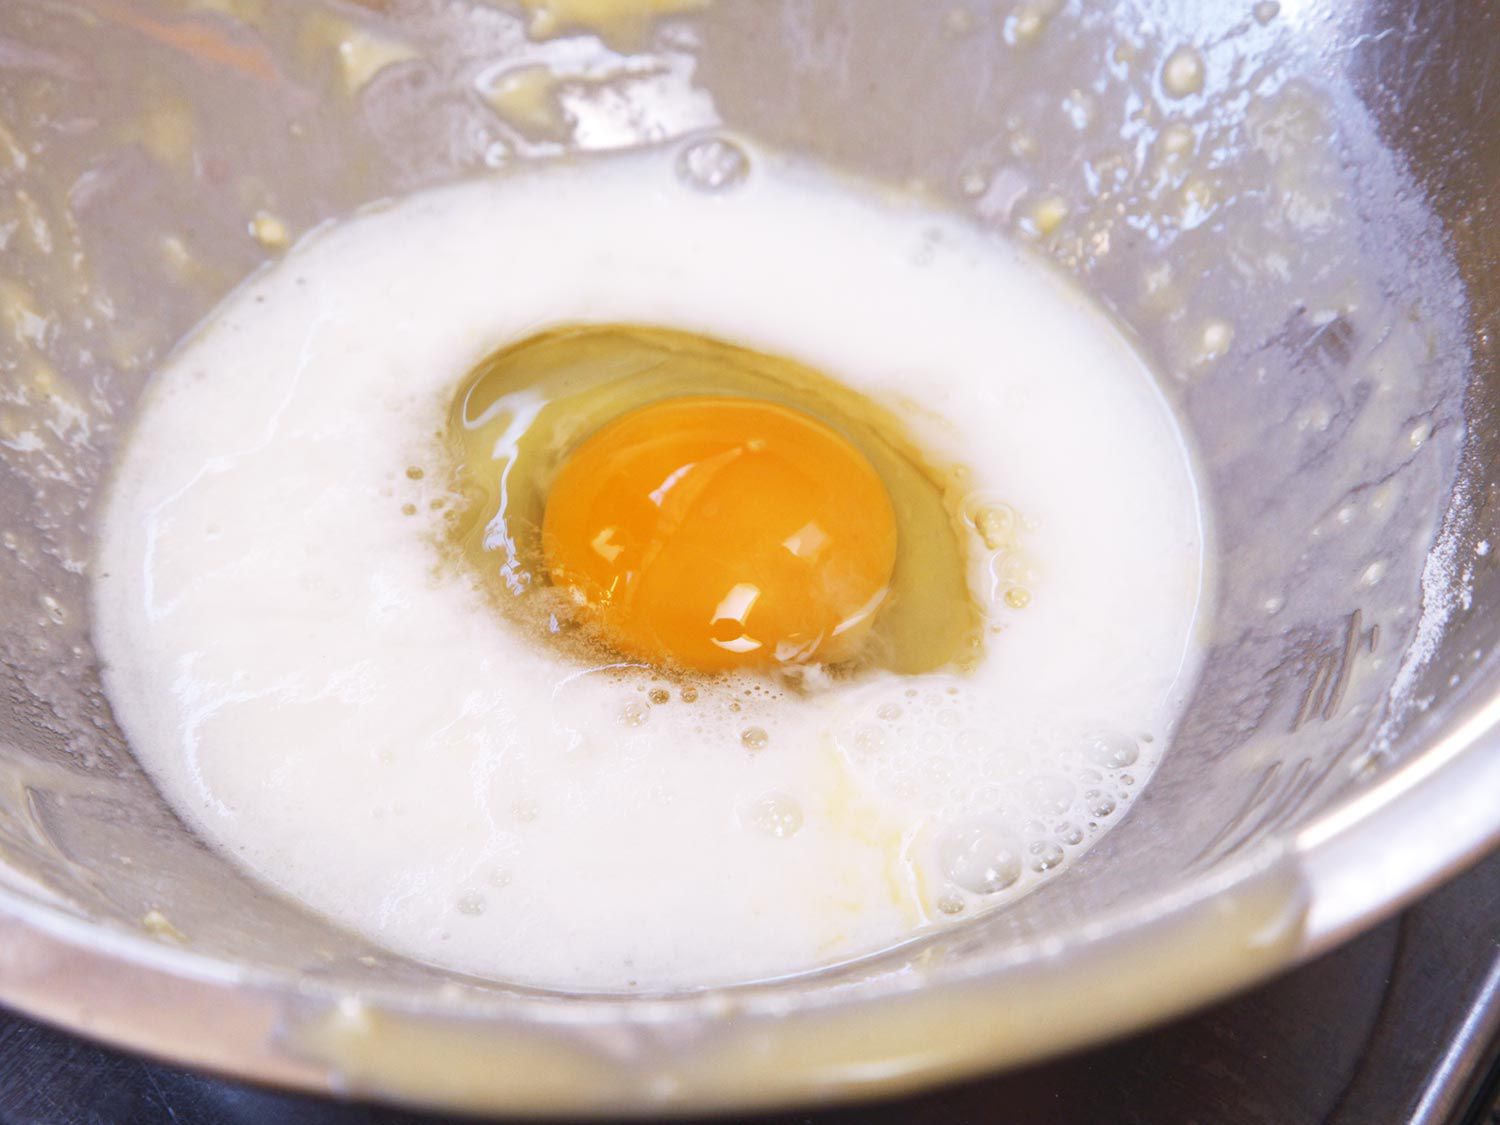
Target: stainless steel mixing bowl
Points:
(1287, 205)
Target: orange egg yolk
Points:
(716, 533)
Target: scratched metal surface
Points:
(1398, 1028)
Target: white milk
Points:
(331, 708)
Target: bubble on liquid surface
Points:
(982, 856)
(1112, 751)
(1182, 75)
(713, 165)
(778, 815)
(1045, 855)
(1049, 794)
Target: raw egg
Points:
(719, 532)
(703, 506)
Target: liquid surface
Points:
(328, 699)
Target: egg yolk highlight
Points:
(716, 533)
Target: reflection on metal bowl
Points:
(1285, 204)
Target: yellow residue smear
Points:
(851, 816)
(526, 97)
(158, 924)
(167, 129)
(252, 13)
(614, 20)
(361, 53)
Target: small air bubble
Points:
(950, 904)
(869, 742)
(1214, 339)
(1008, 762)
(890, 712)
(414, 472)
(1182, 74)
(1070, 834)
(658, 695)
(1018, 597)
(981, 857)
(1045, 855)
(778, 815)
(713, 165)
(1098, 803)
(689, 695)
(1048, 794)
(408, 509)
(970, 741)
(634, 713)
(471, 904)
(1112, 751)
(755, 738)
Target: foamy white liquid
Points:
(321, 703)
